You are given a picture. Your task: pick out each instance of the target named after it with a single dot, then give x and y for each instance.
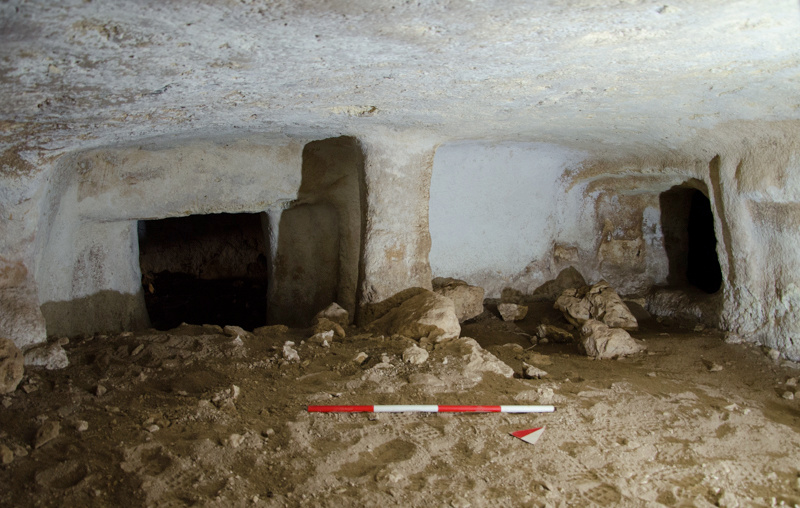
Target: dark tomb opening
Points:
(205, 269)
(687, 223)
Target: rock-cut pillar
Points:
(396, 241)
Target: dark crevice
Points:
(687, 223)
(204, 269)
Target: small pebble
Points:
(82, 426)
(788, 395)
(100, 390)
(6, 455)
(361, 357)
(651, 374)
(138, 350)
(152, 428)
(46, 433)
(235, 440)
(792, 381)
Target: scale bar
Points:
(430, 409)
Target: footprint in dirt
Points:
(369, 463)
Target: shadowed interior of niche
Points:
(205, 269)
(689, 239)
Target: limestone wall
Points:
(87, 260)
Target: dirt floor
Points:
(195, 417)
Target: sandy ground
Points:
(193, 417)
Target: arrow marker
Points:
(431, 409)
(530, 435)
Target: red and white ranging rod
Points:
(430, 409)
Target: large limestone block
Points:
(598, 302)
(602, 342)
(425, 315)
(468, 300)
(11, 366)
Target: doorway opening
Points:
(205, 269)
(687, 223)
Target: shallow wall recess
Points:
(204, 269)
(316, 261)
(689, 239)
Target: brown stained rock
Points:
(46, 433)
(425, 316)
(468, 300)
(11, 366)
(602, 342)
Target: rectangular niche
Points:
(205, 269)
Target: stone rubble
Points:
(554, 334)
(415, 355)
(600, 341)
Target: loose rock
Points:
(46, 433)
(334, 312)
(532, 372)
(512, 311)
(415, 355)
(467, 300)
(361, 357)
(599, 302)
(6, 455)
(602, 342)
(568, 278)
(12, 366)
(554, 333)
(324, 325)
(289, 353)
(478, 360)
